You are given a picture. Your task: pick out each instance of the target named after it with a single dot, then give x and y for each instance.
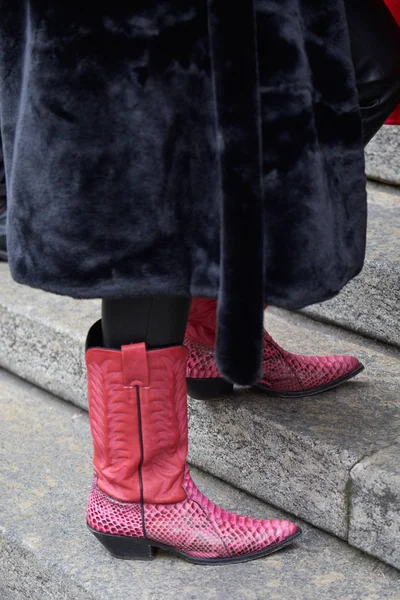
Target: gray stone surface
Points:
(382, 155)
(384, 195)
(370, 303)
(296, 454)
(375, 501)
(47, 553)
(43, 337)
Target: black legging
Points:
(159, 321)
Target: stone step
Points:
(382, 156)
(370, 304)
(46, 552)
(318, 458)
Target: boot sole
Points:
(128, 548)
(218, 388)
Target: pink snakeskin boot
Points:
(284, 374)
(143, 497)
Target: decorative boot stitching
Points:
(213, 525)
(141, 459)
(282, 353)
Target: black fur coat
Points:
(197, 147)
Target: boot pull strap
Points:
(135, 366)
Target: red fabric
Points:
(395, 118)
(394, 6)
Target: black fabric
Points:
(375, 46)
(134, 135)
(374, 38)
(238, 118)
(379, 99)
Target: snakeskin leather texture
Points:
(195, 526)
(283, 371)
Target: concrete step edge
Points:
(382, 156)
(297, 455)
(370, 303)
(46, 552)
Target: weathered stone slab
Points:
(370, 304)
(296, 454)
(382, 155)
(46, 552)
(375, 505)
(43, 337)
(383, 195)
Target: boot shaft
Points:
(202, 322)
(138, 419)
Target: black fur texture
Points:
(198, 148)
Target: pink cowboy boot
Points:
(284, 374)
(143, 496)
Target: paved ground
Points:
(46, 552)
